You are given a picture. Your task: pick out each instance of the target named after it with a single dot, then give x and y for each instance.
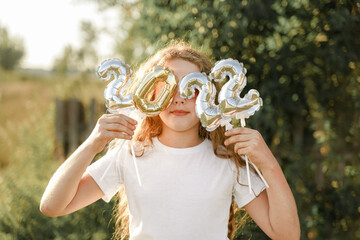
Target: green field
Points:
(27, 143)
(302, 56)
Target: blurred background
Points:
(303, 56)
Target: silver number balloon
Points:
(116, 93)
(230, 103)
(205, 106)
(226, 68)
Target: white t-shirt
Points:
(185, 194)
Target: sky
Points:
(47, 26)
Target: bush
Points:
(24, 182)
(11, 50)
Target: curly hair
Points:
(151, 127)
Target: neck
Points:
(180, 139)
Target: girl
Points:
(189, 176)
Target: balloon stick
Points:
(242, 121)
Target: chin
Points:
(183, 126)
(180, 124)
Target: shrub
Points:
(24, 181)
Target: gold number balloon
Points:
(116, 93)
(148, 84)
(205, 107)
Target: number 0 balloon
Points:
(148, 84)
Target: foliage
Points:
(83, 58)
(29, 134)
(11, 50)
(65, 62)
(303, 57)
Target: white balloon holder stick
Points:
(108, 167)
(242, 121)
(135, 164)
(137, 114)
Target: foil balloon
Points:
(116, 94)
(226, 69)
(231, 76)
(232, 105)
(205, 106)
(141, 98)
(118, 98)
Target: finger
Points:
(123, 120)
(119, 118)
(240, 145)
(243, 151)
(237, 138)
(114, 118)
(239, 130)
(120, 128)
(122, 135)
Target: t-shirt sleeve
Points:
(107, 173)
(241, 193)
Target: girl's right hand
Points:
(108, 127)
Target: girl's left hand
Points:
(249, 142)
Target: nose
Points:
(177, 99)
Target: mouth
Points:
(179, 112)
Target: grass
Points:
(27, 119)
(26, 98)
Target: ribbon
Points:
(226, 122)
(242, 121)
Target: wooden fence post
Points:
(71, 125)
(59, 152)
(92, 116)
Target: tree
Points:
(11, 50)
(66, 62)
(87, 54)
(84, 58)
(303, 56)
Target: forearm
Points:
(64, 183)
(283, 215)
(68, 190)
(279, 219)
